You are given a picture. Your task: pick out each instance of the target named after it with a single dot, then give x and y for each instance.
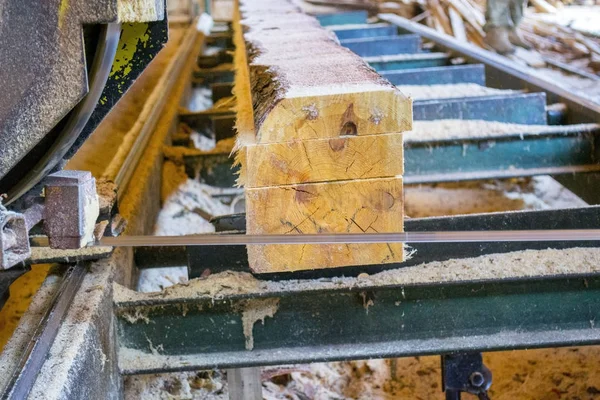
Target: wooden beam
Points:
(354, 206)
(319, 140)
(321, 160)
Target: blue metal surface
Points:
(351, 17)
(365, 31)
(471, 73)
(504, 156)
(407, 61)
(384, 46)
(518, 108)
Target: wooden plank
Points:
(348, 157)
(365, 205)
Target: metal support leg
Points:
(244, 384)
(465, 372)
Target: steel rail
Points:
(166, 83)
(102, 64)
(34, 355)
(551, 235)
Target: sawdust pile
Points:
(425, 92)
(425, 131)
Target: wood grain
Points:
(362, 205)
(321, 160)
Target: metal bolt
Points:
(477, 379)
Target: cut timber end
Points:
(363, 205)
(321, 160)
(317, 113)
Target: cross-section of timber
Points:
(319, 140)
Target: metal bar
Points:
(504, 73)
(406, 61)
(383, 46)
(244, 384)
(200, 258)
(207, 77)
(529, 108)
(350, 17)
(571, 69)
(36, 352)
(221, 90)
(496, 157)
(332, 238)
(471, 73)
(167, 81)
(224, 126)
(199, 119)
(364, 31)
(325, 325)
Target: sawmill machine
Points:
(65, 64)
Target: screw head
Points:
(477, 379)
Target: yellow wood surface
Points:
(317, 116)
(321, 160)
(362, 205)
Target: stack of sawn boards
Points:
(319, 141)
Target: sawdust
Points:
(46, 254)
(424, 92)
(446, 129)
(140, 10)
(519, 264)
(184, 385)
(215, 286)
(23, 297)
(422, 201)
(254, 310)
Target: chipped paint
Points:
(133, 36)
(62, 12)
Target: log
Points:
(319, 140)
(354, 206)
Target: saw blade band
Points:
(555, 235)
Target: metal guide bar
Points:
(345, 238)
(518, 108)
(326, 325)
(167, 81)
(405, 61)
(364, 31)
(451, 74)
(380, 46)
(34, 355)
(351, 17)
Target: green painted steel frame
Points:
(311, 326)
